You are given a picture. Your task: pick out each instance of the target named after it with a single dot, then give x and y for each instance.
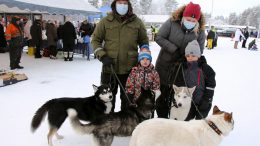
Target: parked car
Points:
(227, 32)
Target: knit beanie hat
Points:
(192, 10)
(193, 48)
(144, 53)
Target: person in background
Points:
(246, 34)
(238, 35)
(186, 24)
(68, 36)
(14, 38)
(252, 45)
(36, 34)
(86, 30)
(27, 34)
(211, 38)
(59, 35)
(2, 37)
(115, 42)
(51, 33)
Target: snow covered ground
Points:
(237, 76)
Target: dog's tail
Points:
(40, 114)
(77, 125)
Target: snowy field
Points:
(237, 76)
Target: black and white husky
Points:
(88, 108)
(121, 123)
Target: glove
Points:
(205, 104)
(107, 61)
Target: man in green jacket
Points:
(115, 42)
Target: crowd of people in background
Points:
(46, 38)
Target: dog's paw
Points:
(72, 112)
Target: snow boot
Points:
(70, 56)
(66, 57)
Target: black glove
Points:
(106, 60)
(205, 104)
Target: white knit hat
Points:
(193, 48)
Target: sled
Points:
(9, 78)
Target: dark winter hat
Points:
(192, 10)
(193, 48)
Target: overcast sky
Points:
(223, 7)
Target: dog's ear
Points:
(215, 110)
(175, 88)
(228, 117)
(191, 90)
(95, 88)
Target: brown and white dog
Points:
(165, 132)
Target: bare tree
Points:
(170, 6)
(94, 3)
(145, 6)
(106, 2)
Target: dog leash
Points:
(193, 102)
(171, 99)
(120, 84)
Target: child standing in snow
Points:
(143, 76)
(196, 72)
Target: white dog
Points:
(165, 132)
(181, 107)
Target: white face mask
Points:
(188, 24)
(122, 8)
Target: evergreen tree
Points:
(94, 3)
(243, 17)
(106, 2)
(252, 17)
(170, 6)
(232, 19)
(136, 7)
(145, 6)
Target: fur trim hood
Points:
(177, 16)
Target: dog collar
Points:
(214, 127)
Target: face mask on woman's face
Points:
(122, 8)
(188, 24)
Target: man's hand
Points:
(107, 61)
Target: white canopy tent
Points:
(5, 9)
(81, 5)
(154, 19)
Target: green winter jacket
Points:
(119, 40)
